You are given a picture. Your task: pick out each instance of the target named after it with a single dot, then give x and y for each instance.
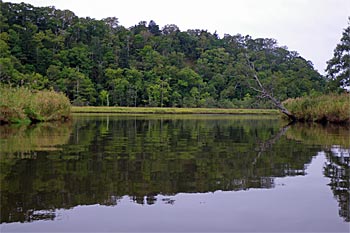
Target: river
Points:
(172, 173)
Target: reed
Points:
(332, 108)
(22, 105)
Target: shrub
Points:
(49, 106)
(19, 104)
(326, 108)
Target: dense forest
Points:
(100, 62)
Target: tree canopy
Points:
(145, 65)
(338, 67)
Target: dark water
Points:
(174, 173)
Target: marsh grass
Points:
(22, 105)
(155, 110)
(326, 108)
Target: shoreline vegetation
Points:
(158, 70)
(166, 110)
(24, 106)
(101, 62)
(331, 108)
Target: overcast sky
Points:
(310, 27)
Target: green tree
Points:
(212, 62)
(77, 86)
(44, 47)
(188, 85)
(104, 96)
(157, 82)
(338, 67)
(117, 85)
(134, 78)
(8, 72)
(36, 81)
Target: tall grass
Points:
(326, 108)
(21, 105)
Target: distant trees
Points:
(338, 67)
(43, 47)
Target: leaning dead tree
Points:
(264, 93)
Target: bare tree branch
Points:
(266, 94)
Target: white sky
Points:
(310, 27)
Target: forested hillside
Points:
(100, 62)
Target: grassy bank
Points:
(326, 108)
(152, 110)
(21, 105)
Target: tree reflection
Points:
(337, 169)
(106, 158)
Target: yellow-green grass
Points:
(22, 105)
(326, 108)
(158, 110)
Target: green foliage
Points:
(13, 102)
(23, 105)
(104, 97)
(338, 68)
(325, 108)
(43, 47)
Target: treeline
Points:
(100, 62)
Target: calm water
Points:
(174, 173)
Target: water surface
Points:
(174, 173)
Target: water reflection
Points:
(323, 135)
(101, 159)
(337, 169)
(335, 142)
(23, 141)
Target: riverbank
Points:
(158, 110)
